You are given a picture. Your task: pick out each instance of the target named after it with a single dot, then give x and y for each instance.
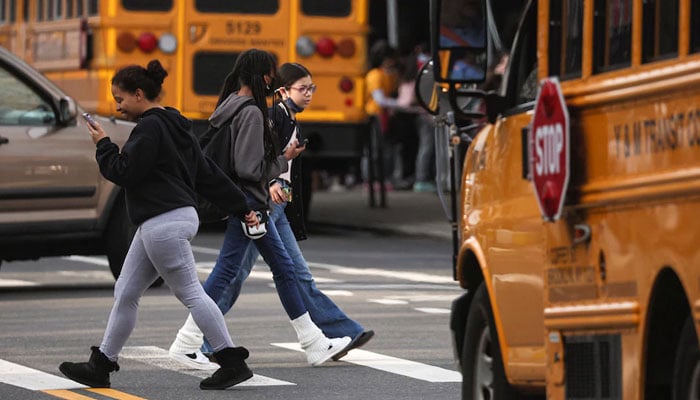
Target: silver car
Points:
(53, 199)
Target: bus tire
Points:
(483, 375)
(686, 368)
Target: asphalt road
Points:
(54, 309)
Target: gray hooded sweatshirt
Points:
(252, 172)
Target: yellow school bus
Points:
(600, 299)
(80, 43)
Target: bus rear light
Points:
(126, 42)
(348, 102)
(167, 43)
(305, 46)
(346, 85)
(346, 48)
(147, 42)
(325, 47)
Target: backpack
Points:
(216, 144)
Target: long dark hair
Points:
(290, 73)
(149, 79)
(250, 68)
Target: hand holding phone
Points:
(88, 118)
(303, 143)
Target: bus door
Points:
(213, 35)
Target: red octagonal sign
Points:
(549, 149)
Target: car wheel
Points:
(482, 366)
(686, 369)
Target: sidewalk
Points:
(406, 212)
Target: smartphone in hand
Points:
(90, 120)
(303, 143)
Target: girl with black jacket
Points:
(161, 168)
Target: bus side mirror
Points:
(458, 35)
(427, 90)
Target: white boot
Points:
(185, 347)
(318, 347)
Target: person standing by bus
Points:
(256, 159)
(296, 91)
(160, 167)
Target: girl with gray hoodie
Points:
(254, 160)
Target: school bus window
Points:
(150, 5)
(694, 26)
(237, 6)
(612, 34)
(92, 7)
(565, 38)
(337, 8)
(660, 29)
(55, 9)
(524, 61)
(210, 70)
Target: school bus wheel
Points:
(482, 365)
(686, 369)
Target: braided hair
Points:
(250, 69)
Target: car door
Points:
(48, 171)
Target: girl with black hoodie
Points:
(161, 168)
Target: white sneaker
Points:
(196, 360)
(323, 350)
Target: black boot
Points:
(232, 372)
(94, 373)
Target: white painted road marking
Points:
(159, 358)
(393, 365)
(89, 260)
(8, 283)
(433, 310)
(32, 379)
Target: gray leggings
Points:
(161, 246)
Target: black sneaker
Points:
(359, 341)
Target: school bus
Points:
(80, 43)
(594, 294)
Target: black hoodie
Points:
(161, 167)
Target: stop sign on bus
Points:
(549, 149)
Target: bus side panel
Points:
(506, 221)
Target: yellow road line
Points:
(70, 395)
(66, 394)
(115, 394)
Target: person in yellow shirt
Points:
(380, 98)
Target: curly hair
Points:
(149, 79)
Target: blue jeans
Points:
(270, 246)
(323, 311)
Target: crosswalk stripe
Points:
(158, 357)
(411, 369)
(32, 379)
